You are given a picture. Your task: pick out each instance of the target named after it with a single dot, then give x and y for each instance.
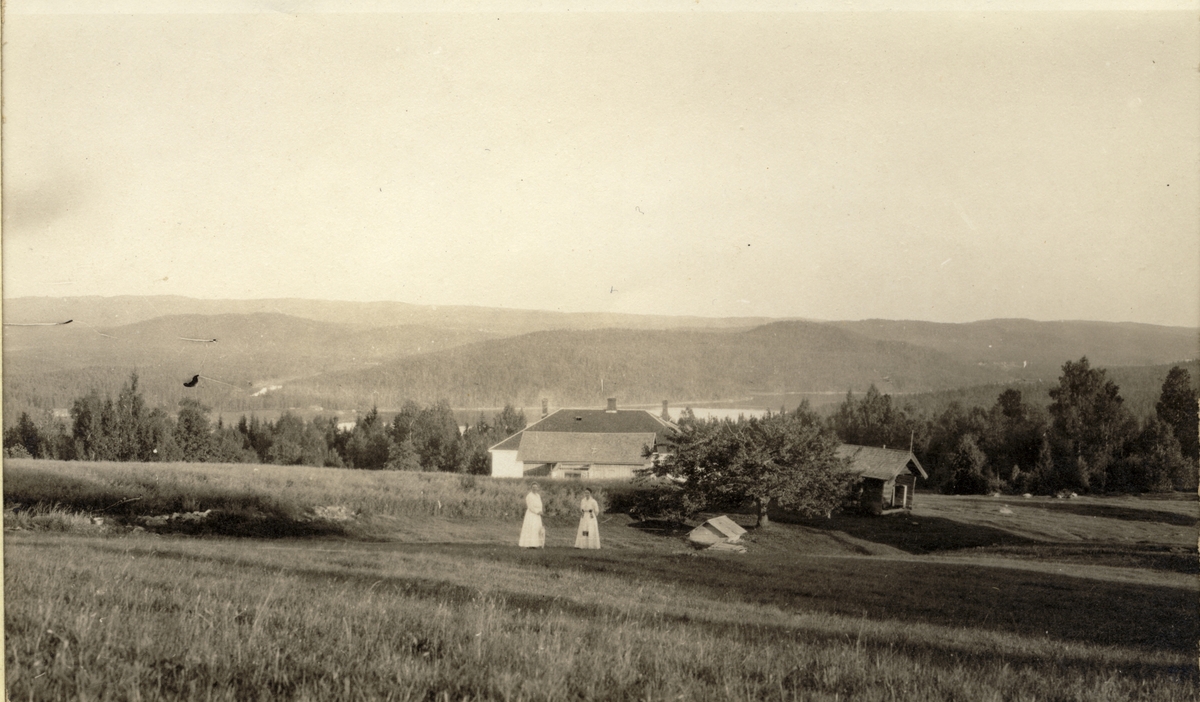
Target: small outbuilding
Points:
(888, 477)
(715, 532)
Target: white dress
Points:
(588, 535)
(533, 535)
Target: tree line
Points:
(126, 429)
(1086, 439)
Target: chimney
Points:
(612, 404)
(666, 415)
(545, 408)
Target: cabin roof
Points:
(880, 463)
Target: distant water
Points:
(773, 401)
(720, 413)
(759, 405)
(750, 406)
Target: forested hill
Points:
(123, 310)
(261, 345)
(1009, 341)
(640, 366)
(47, 367)
(272, 360)
(584, 367)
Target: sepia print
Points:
(668, 350)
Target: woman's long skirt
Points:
(533, 535)
(588, 534)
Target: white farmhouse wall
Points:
(506, 465)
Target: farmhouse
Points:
(888, 477)
(582, 444)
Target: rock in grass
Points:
(333, 513)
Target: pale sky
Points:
(830, 165)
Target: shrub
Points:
(50, 518)
(16, 451)
(648, 497)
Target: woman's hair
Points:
(588, 490)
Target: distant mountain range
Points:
(122, 310)
(571, 367)
(274, 354)
(1011, 341)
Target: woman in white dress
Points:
(533, 534)
(588, 535)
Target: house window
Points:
(573, 474)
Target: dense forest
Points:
(1140, 388)
(127, 429)
(1085, 438)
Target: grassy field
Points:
(414, 590)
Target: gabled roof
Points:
(590, 447)
(512, 443)
(594, 421)
(880, 463)
(602, 422)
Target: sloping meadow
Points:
(104, 613)
(165, 619)
(260, 500)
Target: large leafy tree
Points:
(1153, 462)
(296, 442)
(193, 433)
(403, 456)
(258, 435)
(91, 423)
(1089, 421)
(26, 436)
(1012, 439)
(875, 420)
(1177, 407)
(508, 422)
(137, 432)
(944, 432)
(785, 459)
(433, 431)
(370, 444)
(972, 475)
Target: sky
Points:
(698, 160)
